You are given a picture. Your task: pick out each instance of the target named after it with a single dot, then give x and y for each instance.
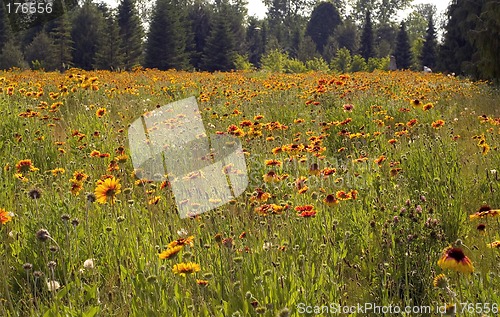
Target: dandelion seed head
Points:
(53, 286)
(88, 264)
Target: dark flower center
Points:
(456, 254)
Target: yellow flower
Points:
(186, 268)
(170, 252)
(100, 112)
(202, 282)
(440, 281)
(57, 171)
(24, 166)
(107, 189)
(494, 244)
(437, 124)
(330, 200)
(455, 259)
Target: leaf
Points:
(92, 311)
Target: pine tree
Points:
(403, 49)
(255, 41)
(457, 51)
(109, 54)
(61, 35)
(166, 43)
(5, 29)
(307, 50)
(428, 56)
(86, 35)
(325, 18)
(131, 32)
(486, 40)
(200, 19)
(219, 52)
(366, 45)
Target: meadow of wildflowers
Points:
(364, 188)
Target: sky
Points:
(257, 7)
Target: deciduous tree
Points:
(325, 18)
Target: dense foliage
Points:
(219, 35)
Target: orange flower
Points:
(182, 242)
(328, 171)
(202, 282)
(5, 216)
(273, 163)
(438, 124)
(342, 195)
(494, 244)
(260, 196)
(428, 106)
(95, 153)
(76, 186)
(100, 112)
(80, 176)
(304, 208)
(380, 159)
(24, 166)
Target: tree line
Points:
(218, 35)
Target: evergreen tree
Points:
(200, 19)
(131, 32)
(428, 56)
(325, 18)
(86, 35)
(61, 35)
(39, 53)
(109, 54)
(5, 29)
(255, 41)
(307, 50)
(166, 43)
(456, 54)
(219, 52)
(403, 49)
(237, 12)
(366, 45)
(486, 40)
(14, 22)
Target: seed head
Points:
(42, 235)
